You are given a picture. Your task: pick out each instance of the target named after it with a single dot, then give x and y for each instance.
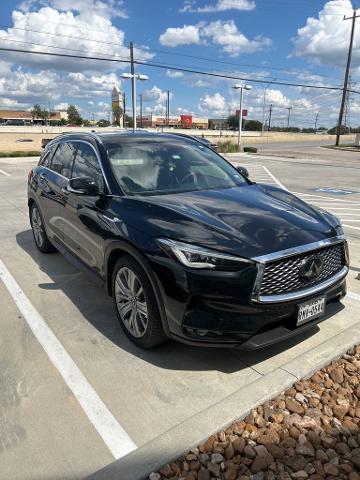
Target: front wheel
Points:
(38, 228)
(135, 304)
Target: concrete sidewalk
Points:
(278, 374)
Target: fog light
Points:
(202, 333)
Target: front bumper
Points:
(211, 308)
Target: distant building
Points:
(174, 121)
(24, 117)
(218, 123)
(117, 103)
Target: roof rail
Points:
(91, 134)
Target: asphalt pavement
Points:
(56, 325)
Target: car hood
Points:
(250, 220)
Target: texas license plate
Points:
(310, 310)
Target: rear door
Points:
(53, 177)
(83, 222)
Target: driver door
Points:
(82, 222)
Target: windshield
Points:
(145, 166)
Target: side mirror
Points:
(83, 186)
(244, 171)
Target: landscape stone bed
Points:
(310, 431)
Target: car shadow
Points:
(96, 306)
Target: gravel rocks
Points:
(311, 431)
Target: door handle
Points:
(42, 176)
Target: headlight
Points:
(193, 256)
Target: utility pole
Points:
(347, 72)
(270, 113)
(288, 119)
(133, 84)
(124, 109)
(168, 109)
(316, 121)
(141, 115)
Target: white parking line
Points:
(274, 178)
(351, 226)
(354, 296)
(5, 173)
(114, 436)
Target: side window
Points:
(63, 159)
(45, 159)
(87, 165)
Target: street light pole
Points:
(241, 88)
(133, 84)
(141, 115)
(134, 77)
(240, 116)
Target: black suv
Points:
(187, 246)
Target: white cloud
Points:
(326, 39)
(186, 35)
(174, 74)
(219, 6)
(221, 33)
(201, 83)
(45, 85)
(61, 106)
(232, 41)
(110, 8)
(212, 104)
(88, 33)
(276, 97)
(155, 94)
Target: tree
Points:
(74, 117)
(233, 122)
(117, 113)
(103, 123)
(87, 123)
(343, 130)
(38, 112)
(253, 125)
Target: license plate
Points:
(310, 310)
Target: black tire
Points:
(153, 334)
(38, 228)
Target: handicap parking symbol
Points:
(335, 191)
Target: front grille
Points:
(282, 276)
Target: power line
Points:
(152, 50)
(249, 65)
(164, 66)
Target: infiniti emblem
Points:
(311, 268)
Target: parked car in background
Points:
(15, 123)
(187, 246)
(201, 139)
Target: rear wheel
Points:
(135, 304)
(37, 224)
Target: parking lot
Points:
(74, 393)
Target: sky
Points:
(291, 41)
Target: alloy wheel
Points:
(130, 302)
(37, 227)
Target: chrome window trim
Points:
(286, 297)
(96, 154)
(289, 252)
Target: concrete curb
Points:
(193, 431)
(326, 352)
(173, 443)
